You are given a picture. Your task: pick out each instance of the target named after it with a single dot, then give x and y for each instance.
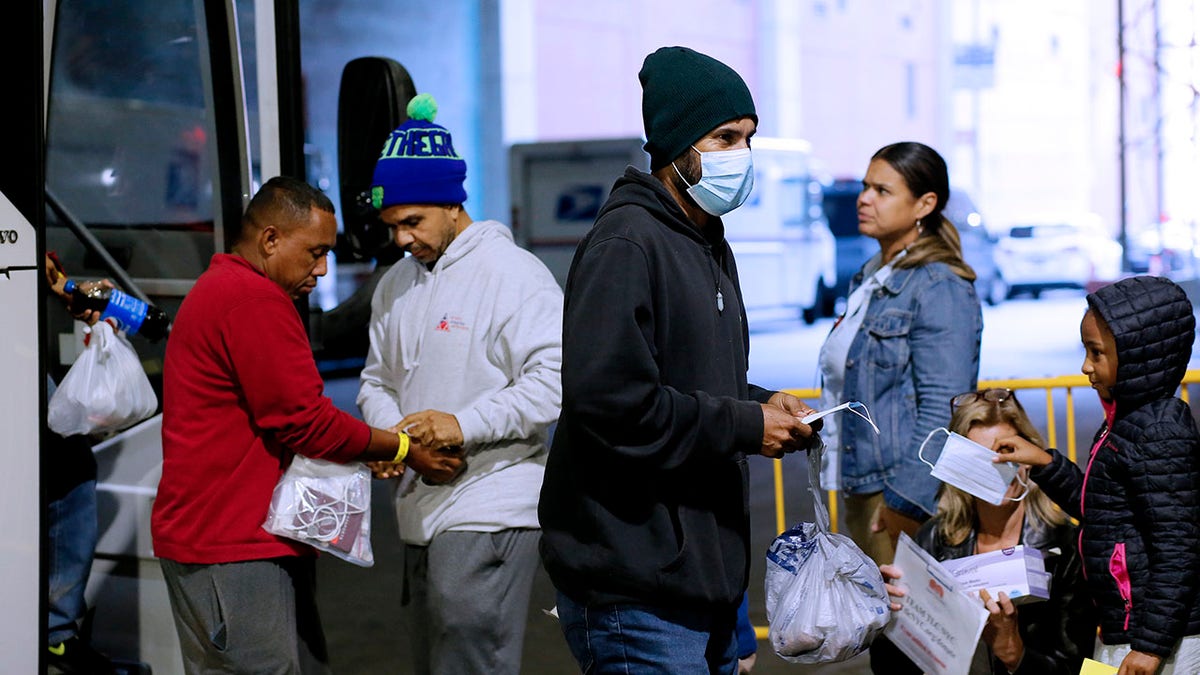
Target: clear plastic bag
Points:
(825, 598)
(325, 505)
(105, 390)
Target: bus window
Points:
(134, 110)
(130, 149)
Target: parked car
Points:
(839, 203)
(979, 246)
(1057, 253)
(853, 249)
(1171, 248)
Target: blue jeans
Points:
(647, 639)
(72, 543)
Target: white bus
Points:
(148, 125)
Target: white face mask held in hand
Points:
(726, 179)
(849, 406)
(968, 466)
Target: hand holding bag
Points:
(826, 600)
(325, 505)
(105, 390)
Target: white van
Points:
(786, 254)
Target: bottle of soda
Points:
(131, 314)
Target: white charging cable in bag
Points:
(325, 505)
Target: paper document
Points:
(938, 626)
(1091, 667)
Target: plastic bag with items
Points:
(325, 505)
(105, 390)
(825, 598)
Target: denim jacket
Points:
(918, 346)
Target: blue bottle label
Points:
(126, 310)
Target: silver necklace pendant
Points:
(720, 302)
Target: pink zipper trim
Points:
(1110, 408)
(1119, 570)
(1087, 472)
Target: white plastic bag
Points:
(325, 505)
(825, 598)
(105, 390)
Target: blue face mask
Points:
(726, 179)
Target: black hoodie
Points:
(645, 493)
(1138, 501)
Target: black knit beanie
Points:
(686, 94)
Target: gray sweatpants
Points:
(258, 616)
(466, 599)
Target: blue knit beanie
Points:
(686, 94)
(418, 164)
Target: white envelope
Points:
(938, 627)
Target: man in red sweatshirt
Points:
(241, 396)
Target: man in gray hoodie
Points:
(465, 352)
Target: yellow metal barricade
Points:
(1067, 383)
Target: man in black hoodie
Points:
(644, 504)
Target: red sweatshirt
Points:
(241, 395)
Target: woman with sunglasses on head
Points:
(1044, 637)
(908, 341)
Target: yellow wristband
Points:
(402, 451)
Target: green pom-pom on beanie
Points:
(422, 107)
(417, 163)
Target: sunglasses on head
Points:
(995, 395)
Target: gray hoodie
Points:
(478, 336)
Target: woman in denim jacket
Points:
(908, 342)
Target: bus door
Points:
(151, 150)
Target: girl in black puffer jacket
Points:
(1138, 500)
